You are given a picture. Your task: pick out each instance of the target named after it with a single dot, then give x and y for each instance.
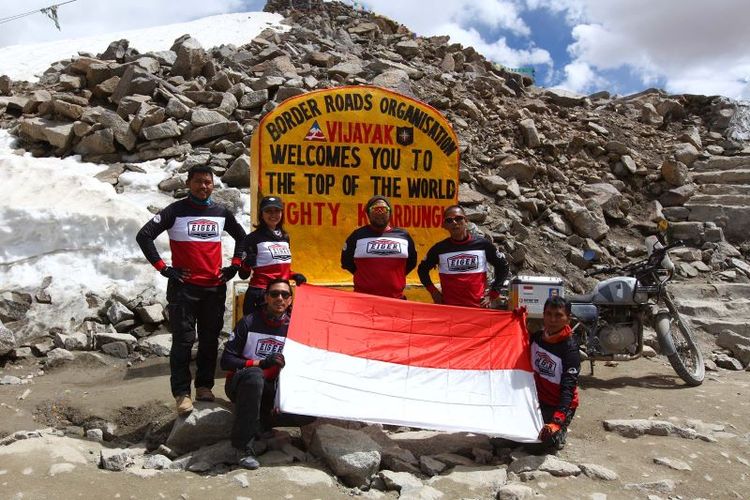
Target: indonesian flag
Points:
(362, 357)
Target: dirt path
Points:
(133, 397)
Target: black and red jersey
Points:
(379, 260)
(255, 337)
(556, 368)
(194, 238)
(267, 254)
(462, 266)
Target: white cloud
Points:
(425, 17)
(462, 21)
(93, 17)
(498, 50)
(581, 78)
(693, 46)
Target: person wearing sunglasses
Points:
(253, 359)
(462, 263)
(379, 256)
(267, 254)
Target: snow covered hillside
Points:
(58, 220)
(27, 62)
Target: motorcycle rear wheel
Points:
(687, 360)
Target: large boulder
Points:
(514, 168)
(97, 143)
(686, 153)
(351, 454)
(191, 57)
(7, 339)
(607, 196)
(238, 174)
(544, 463)
(564, 98)
(58, 134)
(394, 79)
(530, 134)
(207, 424)
(157, 345)
(201, 117)
(14, 306)
(6, 85)
(587, 221)
(214, 130)
(120, 128)
(675, 172)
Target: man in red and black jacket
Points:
(378, 255)
(556, 361)
(197, 289)
(253, 358)
(462, 265)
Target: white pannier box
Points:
(532, 292)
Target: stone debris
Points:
(673, 463)
(595, 471)
(544, 463)
(639, 427)
(660, 486)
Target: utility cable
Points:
(50, 11)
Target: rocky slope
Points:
(546, 174)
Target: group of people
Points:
(378, 255)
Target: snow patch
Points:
(28, 62)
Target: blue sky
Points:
(623, 46)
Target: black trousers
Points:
(189, 307)
(253, 398)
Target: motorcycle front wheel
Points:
(687, 360)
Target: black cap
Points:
(375, 199)
(271, 202)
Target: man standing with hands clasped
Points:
(197, 289)
(378, 255)
(462, 264)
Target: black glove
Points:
(271, 360)
(227, 273)
(175, 273)
(549, 431)
(299, 278)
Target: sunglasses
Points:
(457, 219)
(275, 294)
(379, 210)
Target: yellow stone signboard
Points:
(325, 153)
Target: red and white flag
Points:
(362, 357)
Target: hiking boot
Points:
(184, 404)
(204, 394)
(249, 462)
(247, 458)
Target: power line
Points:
(50, 11)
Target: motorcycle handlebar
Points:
(632, 265)
(600, 271)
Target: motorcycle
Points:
(608, 322)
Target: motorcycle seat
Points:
(585, 298)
